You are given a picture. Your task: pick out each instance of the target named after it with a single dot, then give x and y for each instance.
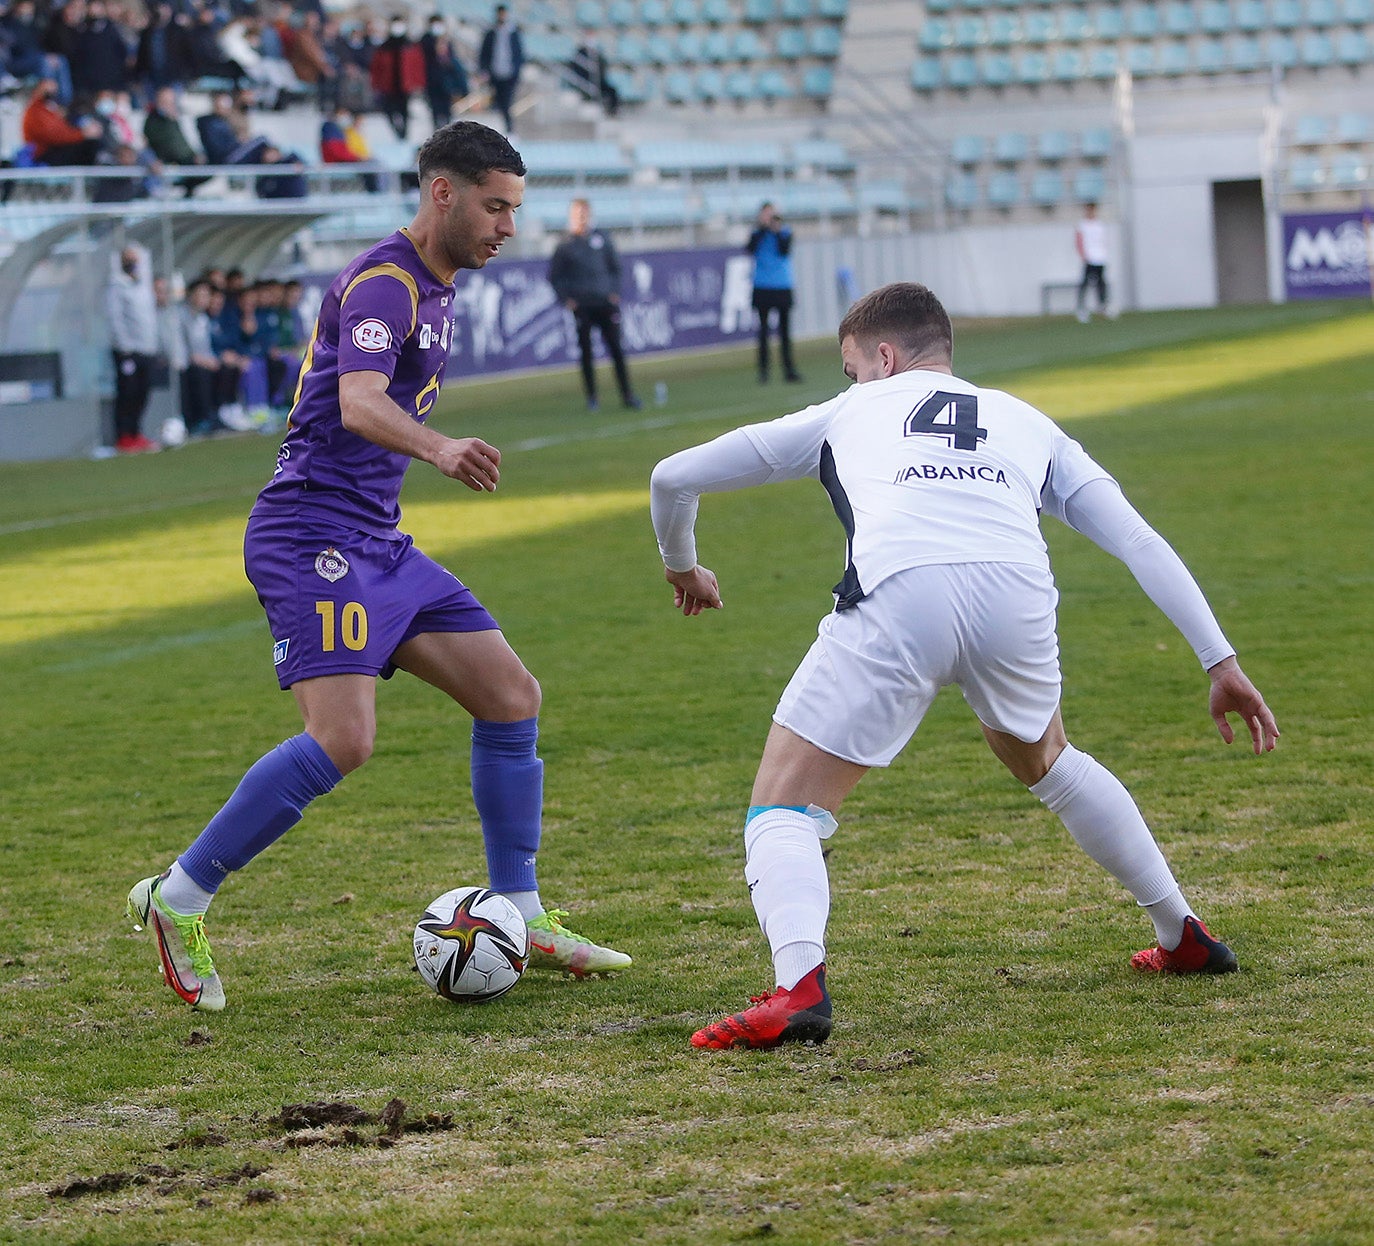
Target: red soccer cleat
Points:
(1198, 953)
(801, 1015)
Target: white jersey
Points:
(924, 468)
(1092, 237)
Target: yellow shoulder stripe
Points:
(388, 270)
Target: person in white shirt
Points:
(938, 485)
(1090, 240)
(131, 311)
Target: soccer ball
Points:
(472, 945)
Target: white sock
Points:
(527, 902)
(787, 881)
(1105, 822)
(182, 894)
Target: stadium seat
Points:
(976, 4)
(818, 82)
(1281, 50)
(970, 32)
(1174, 60)
(1003, 30)
(1053, 146)
(631, 51)
(745, 46)
(961, 72)
(1357, 12)
(1004, 190)
(683, 12)
(800, 201)
(1210, 56)
(836, 10)
(1069, 66)
(1311, 131)
(634, 89)
(1047, 188)
(790, 44)
(1245, 54)
(623, 13)
(1095, 144)
(925, 74)
(590, 14)
(968, 149)
(1352, 48)
(1039, 28)
(1322, 13)
(1140, 59)
(1103, 63)
(1306, 174)
(1317, 51)
(1110, 24)
(1251, 16)
(824, 41)
(757, 12)
(710, 85)
(715, 47)
(1285, 15)
(794, 10)
(689, 47)
(823, 153)
(661, 50)
(935, 35)
(1350, 171)
(709, 157)
(571, 159)
(1089, 186)
(773, 85)
(1143, 22)
(652, 12)
(678, 87)
(1215, 18)
(1353, 127)
(739, 86)
(549, 47)
(1032, 68)
(717, 12)
(883, 197)
(961, 192)
(1075, 26)
(1179, 19)
(939, 6)
(1010, 148)
(995, 69)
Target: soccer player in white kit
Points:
(939, 485)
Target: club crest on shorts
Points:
(331, 565)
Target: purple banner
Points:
(507, 316)
(1326, 255)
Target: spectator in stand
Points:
(138, 185)
(242, 41)
(500, 60)
(131, 309)
(445, 78)
(226, 342)
(52, 139)
(170, 364)
(198, 380)
(167, 140)
(289, 184)
(62, 34)
(164, 52)
(219, 129)
(256, 333)
(589, 71)
(398, 73)
(308, 54)
(100, 60)
(341, 142)
(207, 57)
(24, 33)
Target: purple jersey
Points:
(386, 312)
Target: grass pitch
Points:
(996, 1072)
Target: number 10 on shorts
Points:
(351, 625)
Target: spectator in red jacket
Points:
(54, 139)
(398, 72)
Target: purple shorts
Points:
(342, 603)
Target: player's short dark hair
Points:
(904, 313)
(468, 150)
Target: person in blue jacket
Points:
(771, 246)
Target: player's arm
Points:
(1101, 513)
(367, 410)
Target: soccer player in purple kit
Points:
(349, 597)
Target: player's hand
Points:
(1233, 693)
(695, 590)
(471, 461)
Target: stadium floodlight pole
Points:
(1123, 110)
(1271, 189)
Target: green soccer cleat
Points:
(181, 944)
(554, 946)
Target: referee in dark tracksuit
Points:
(585, 274)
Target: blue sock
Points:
(508, 790)
(267, 803)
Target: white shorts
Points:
(868, 680)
